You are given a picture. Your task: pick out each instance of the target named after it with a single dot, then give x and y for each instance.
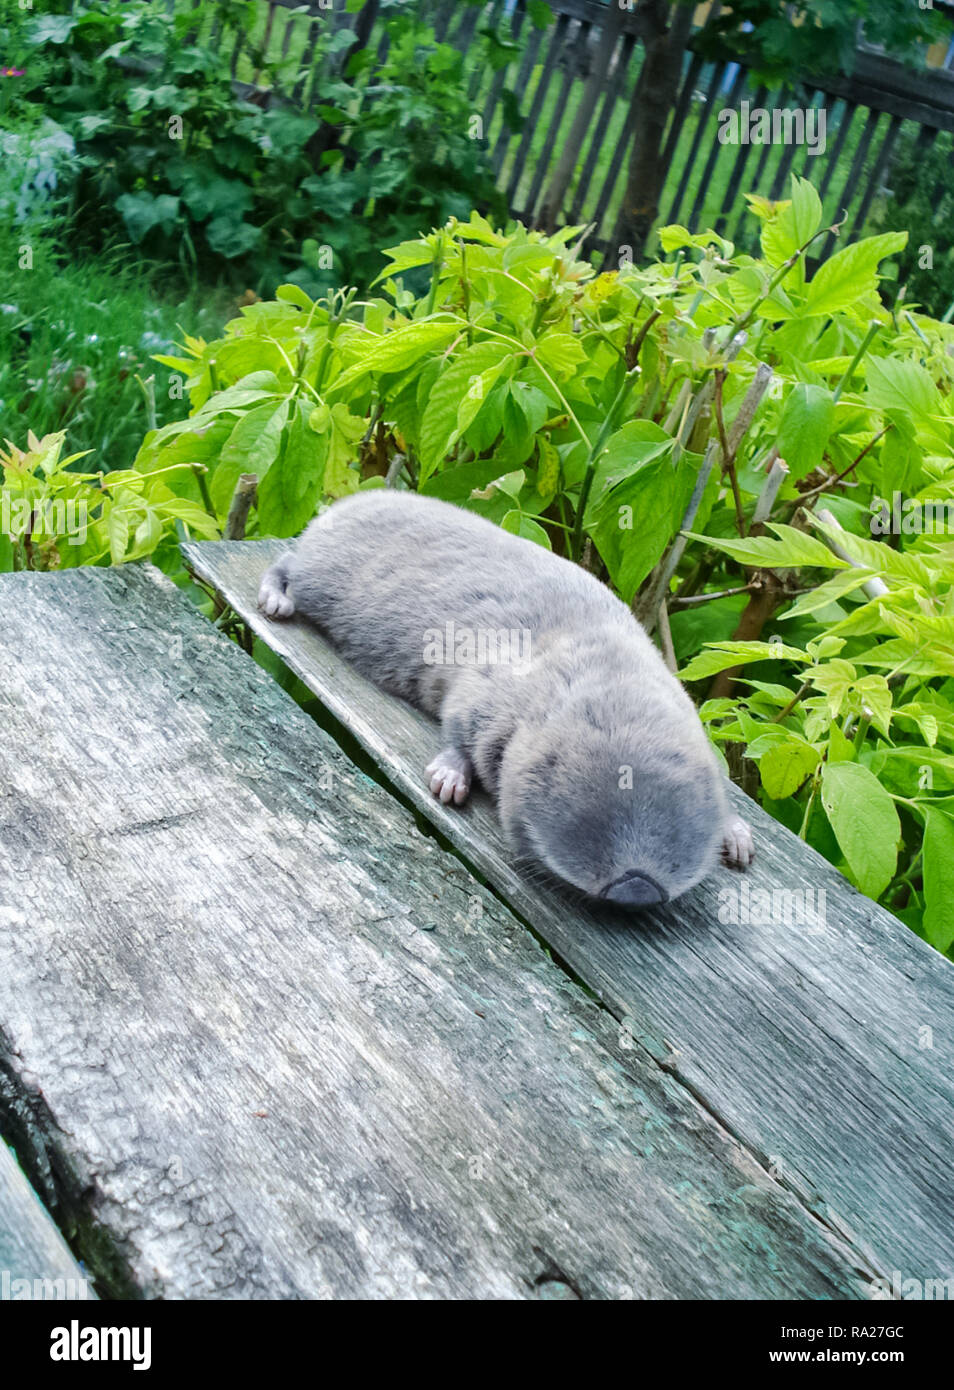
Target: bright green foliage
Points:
(617, 409)
(53, 517)
(134, 104)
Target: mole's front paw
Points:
(273, 598)
(738, 847)
(451, 773)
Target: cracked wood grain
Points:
(825, 1046)
(260, 1037)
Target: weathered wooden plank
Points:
(265, 1038)
(610, 245)
(506, 135)
(850, 186)
(35, 1261)
(925, 95)
(833, 155)
(824, 1043)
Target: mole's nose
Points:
(635, 889)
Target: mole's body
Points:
(545, 685)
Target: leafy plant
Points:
(53, 517)
(716, 434)
(168, 155)
(920, 199)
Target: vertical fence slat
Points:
(710, 164)
(478, 75)
(738, 170)
(877, 174)
(756, 183)
(682, 110)
(307, 62)
(462, 35)
(717, 75)
(572, 70)
(500, 77)
(780, 181)
(847, 121)
(557, 44)
(526, 67)
(623, 55)
(816, 104)
(854, 175)
(616, 163)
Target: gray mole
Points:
(545, 685)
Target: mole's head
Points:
(632, 815)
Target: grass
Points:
(74, 336)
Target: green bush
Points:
(166, 155)
(922, 199)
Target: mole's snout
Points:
(635, 889)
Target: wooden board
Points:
(825, 1046)
(35, 1261)
(263, 1038)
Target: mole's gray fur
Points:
(602, 772)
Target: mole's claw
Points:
(450, 773)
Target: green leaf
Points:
(346, 430)
(627, 451)
(407, 256)
(141, 212)
(194, 516)
(726, 654)
(392, 352)
(865, 822)
(252, 447)
(117, 529)
(520, 525)
(838, 587)
(806, 210)
(634, 521)
(289, 493)
(784, 767)
(791, 550)
(901, 385)
(50, 28)
(456, 397)
(851, 274)
(805, 428)
(548, 473)
(541, 16)
(560, 353)
(938, 853)
(229, 236)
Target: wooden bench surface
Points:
(825, 1047)
(260, 1037)
(35, 1261)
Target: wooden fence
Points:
(865, 116)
